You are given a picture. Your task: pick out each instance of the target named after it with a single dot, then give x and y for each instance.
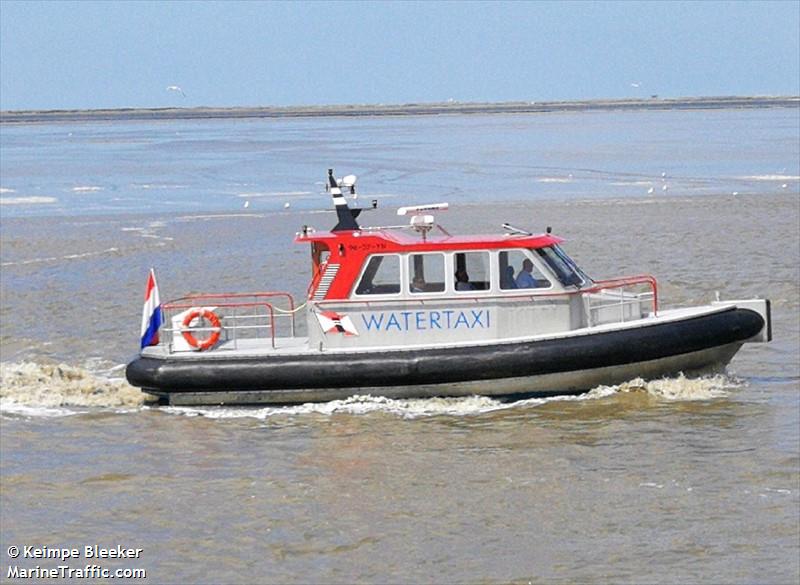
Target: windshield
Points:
(563, 266)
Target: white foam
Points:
(357, 404)
(158, 186)
(680, 388)
(218, 216)
(31, 389)
(258, 194)
(672, 389)
(13, 408)
(6, 190)
(554, 180)
(33, 200)
(86, 189)
(770, 178)
(60, 258)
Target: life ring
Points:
(211, 318)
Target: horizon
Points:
(148, 55)
(545, 104)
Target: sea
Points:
(689, 479)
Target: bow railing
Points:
(619, 299)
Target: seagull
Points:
(287, 205)
(246, 204)
(176, 88)
(650, 191)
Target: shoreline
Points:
(411, 109)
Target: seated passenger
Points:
(525, 277)
(462, 281)
(508, 279)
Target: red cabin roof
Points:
(350, 248)
(393, 240)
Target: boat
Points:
(411, 310)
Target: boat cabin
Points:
(418, 284)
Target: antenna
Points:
(515, 231)
(420, 221)
(422, 224)
(420, 209)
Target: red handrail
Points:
(627, 281)
(267, 294)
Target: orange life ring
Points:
(203, 314)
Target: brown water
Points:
(670, 481)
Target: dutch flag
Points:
(152, 317)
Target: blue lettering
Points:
(393, 322)
(423, 320)
(476, 315)
(462, 318)
(372, 322)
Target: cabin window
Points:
(517, 271)
(381, 276)
(563, 266)
(471, 271)
(426, 273)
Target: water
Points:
(676, 480)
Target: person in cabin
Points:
(525, 277)
(462, 281)
(418, 285)
(508, 281)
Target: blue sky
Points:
(125, 54)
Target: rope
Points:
(277, 310)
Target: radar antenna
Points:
(420, 222)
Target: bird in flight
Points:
(176, 88)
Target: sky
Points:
(77, 55)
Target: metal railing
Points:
(628, 304)
(241, 316)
